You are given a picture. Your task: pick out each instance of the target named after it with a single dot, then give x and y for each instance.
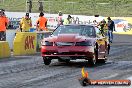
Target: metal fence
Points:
(82, 7)
(91, 7)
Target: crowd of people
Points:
(106, 28)
(25, 24)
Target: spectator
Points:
(25, 23)
(3, 24)
(60, 20)
(111, 28)
(42, 23)
(95, 23)
(68, 20)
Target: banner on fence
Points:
(121, 23)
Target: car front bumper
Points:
(67, 51)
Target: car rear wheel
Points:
(46, 60)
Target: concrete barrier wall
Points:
(4, 49)
(25, 43)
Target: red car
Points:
(71, 42)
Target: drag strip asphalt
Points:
(30, 72)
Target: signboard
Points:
(29, 42)
(15, 18)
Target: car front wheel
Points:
(93, 60)
(46, 60)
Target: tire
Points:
(93, 60)
(46, 60)
(108, 49)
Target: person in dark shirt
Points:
(111, 28)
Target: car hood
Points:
(67, 38)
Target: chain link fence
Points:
(81, 7)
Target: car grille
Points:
(64, 43)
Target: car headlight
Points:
(83, 43)
(46, 43)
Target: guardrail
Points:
(26, 43)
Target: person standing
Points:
(25, 23)
(3, 24)
(42, 23)
(111, 28)
(95, 23)
(60, 20)
(68, 20)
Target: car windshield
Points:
(84, 30)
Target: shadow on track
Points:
(79, 64)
